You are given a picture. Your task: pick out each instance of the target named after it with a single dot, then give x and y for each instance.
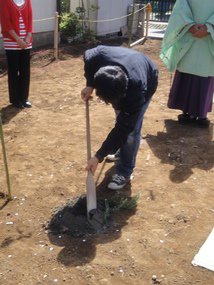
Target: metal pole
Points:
(5, 160)
(142, 40)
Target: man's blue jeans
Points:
(128, 152)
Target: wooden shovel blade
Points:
(91, 193)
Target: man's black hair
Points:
(111, 83)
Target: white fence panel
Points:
(107, 9)
(43, 9)
(112, 9)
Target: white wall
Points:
(108, 9)
(74, 4)
(43, 9)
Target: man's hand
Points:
(92, 164)
(86, 93)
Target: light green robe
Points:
(180, 50)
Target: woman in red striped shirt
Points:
(16, 23)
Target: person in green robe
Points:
(188, 50)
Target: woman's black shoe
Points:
(18, 105)
(186, 119)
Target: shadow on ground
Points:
(185, 147)
(70, 228)
(8, 113)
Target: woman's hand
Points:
(21, 43)
(86, 93)
(92, 164)
(27, 39)
(199, 31)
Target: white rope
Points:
(114, 19)
(96, 21)
(40, 20)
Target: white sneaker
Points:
(118, 182)
(113, 157)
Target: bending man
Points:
(126, 79)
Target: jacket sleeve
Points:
(125, 124)
(93, 60)
(89, 69)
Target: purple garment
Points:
(192, 94)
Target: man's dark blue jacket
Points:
(143, 76)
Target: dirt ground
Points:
(46, 152)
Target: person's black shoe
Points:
(184, 119)
(27, 104)
(118, 182)
(18, 105)
(203, 123)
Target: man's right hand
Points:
(86, 93)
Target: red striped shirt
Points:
(17, 18)
(12, 44)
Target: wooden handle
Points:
(88, 135)
(90, 184)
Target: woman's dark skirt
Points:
(192, 94)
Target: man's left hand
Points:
(92, 164)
